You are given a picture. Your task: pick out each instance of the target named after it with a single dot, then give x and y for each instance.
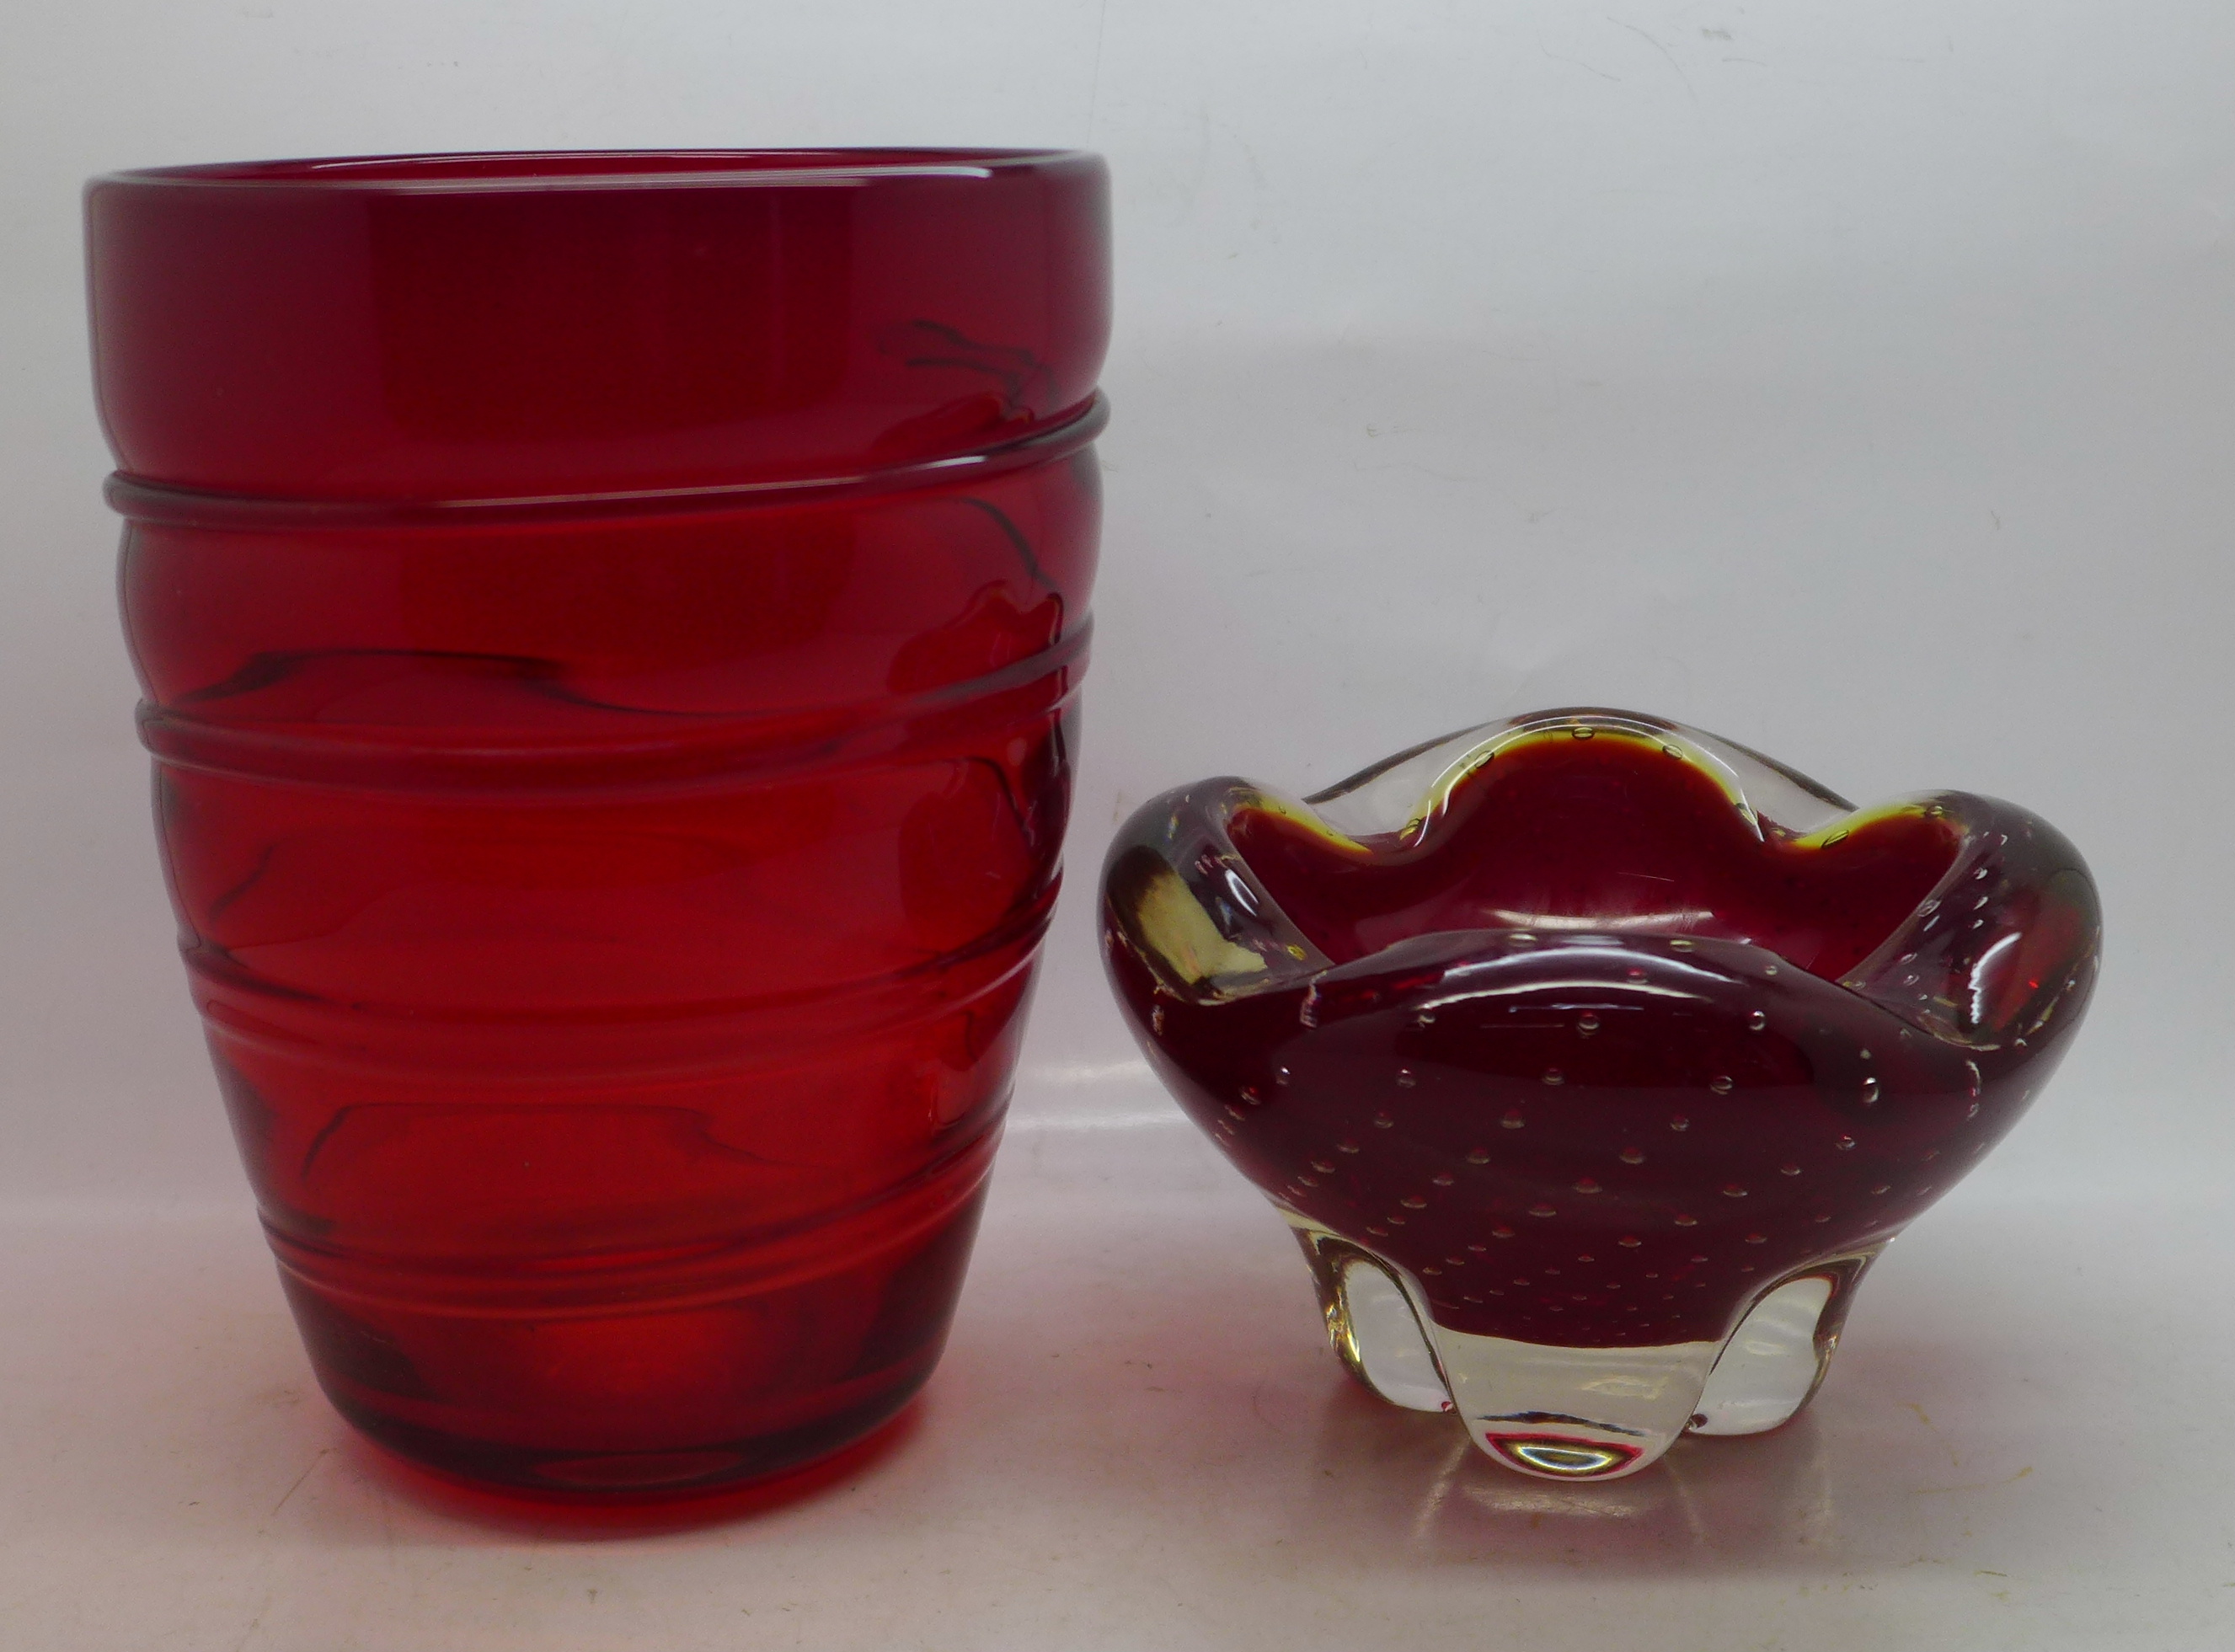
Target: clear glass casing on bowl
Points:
(1593, 1059)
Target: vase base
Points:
(580, 1477)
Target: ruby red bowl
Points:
(1593, 1058)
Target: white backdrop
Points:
(1857, 382)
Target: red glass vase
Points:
(610, 627)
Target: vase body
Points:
(610, 628)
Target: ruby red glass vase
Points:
(610, 627)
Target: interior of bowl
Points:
(1603, 832)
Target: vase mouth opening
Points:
(497, 172)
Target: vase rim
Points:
(511, 172)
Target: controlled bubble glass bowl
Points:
(1592, 1059)
(610, 627)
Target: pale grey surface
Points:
(1139, 1441)
(1854, 382)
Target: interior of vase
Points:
(1603, 835)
